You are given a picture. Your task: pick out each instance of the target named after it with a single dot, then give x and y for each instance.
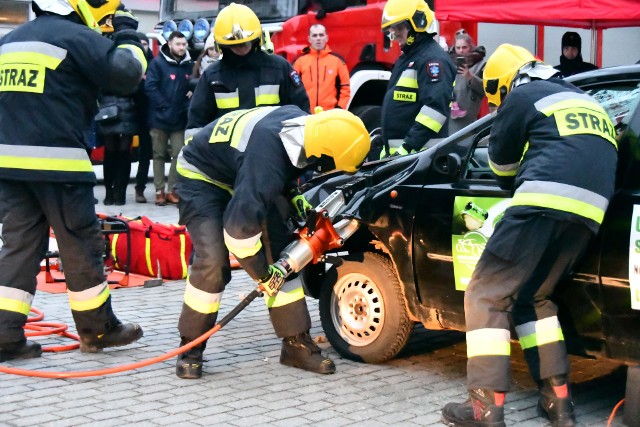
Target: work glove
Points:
(300, 205)
(273, 281)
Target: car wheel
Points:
(369, 114)
(363, 311)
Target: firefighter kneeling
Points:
(234, 179)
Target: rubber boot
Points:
(301, 352)
(555, 402)
(120, 335)
(189, 364)
(483, 408)
(20, 350)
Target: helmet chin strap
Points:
(85, 13)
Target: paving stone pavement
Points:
(243, 382)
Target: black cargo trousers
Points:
(202, 207)
(27, 210)
(527, 255)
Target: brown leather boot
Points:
(160, 199)
(301, 352)
(172, 198)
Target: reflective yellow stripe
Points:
(243, 248)
(504, 170)
(14, 305)
(114, 252)
(267, 99)
(45, 164)
(201, 301)
(283, 297)
(194, 175)
(537, 333)
(559, 203)
(147, 256)
(227, 100)
(15, 300)
(584, 121)
(183, 249)
(89, 299)
(33, 58)
(488, 342)
(408, 78)
(428, 122)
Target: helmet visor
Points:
(237, 33)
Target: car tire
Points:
(369, 114)
(362, 309)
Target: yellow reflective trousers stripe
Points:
(201, 301)
(488, 342)
(89, 299)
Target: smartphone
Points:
(461, 61)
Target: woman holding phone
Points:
(468, 91)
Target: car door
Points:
(455, 214)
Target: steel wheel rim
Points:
(357, 310)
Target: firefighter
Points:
(549, 136)
(245, 77)
(417, 102)
(233, 186)
(52, 69)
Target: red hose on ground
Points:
(146, 362)
(40, 328)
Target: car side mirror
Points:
(448, 165)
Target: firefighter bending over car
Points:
(417, 102)
(52, 69)
(550, 136)
(234, 182)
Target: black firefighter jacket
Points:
(243, 154)
(51, 71)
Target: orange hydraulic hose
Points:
(146, 362)
(39, 328)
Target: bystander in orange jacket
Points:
(324, 73)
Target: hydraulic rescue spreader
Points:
(318, 236)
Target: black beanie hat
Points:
(571, 38)
(123, 19)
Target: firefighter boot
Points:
(189, 364)
(483, 408)
(121, 334)
(301, 352)
(20, 350)
(555, 402)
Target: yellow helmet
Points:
(501, 70)
(338, 134)
(417, 12)
(236, 24)
(93, 12)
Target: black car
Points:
(424, 219)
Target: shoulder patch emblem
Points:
(433, 70)
(295, 78)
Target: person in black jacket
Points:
(168, 89)
(571, 61)
(49, 84)
(234, 181)
(117, 132)
(548, 136)
(417, 103)
(245, 77)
